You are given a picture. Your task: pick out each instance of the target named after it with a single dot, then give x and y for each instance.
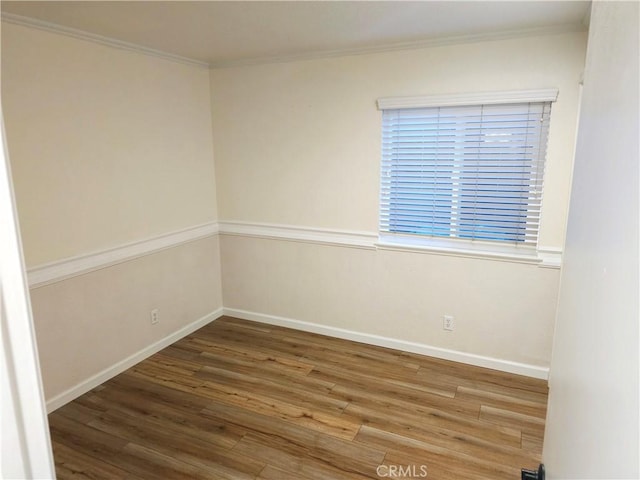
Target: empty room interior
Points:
(320, 240)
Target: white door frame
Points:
(26, 445)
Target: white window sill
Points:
(543, 257)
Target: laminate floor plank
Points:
(296, 462)
(119, 452)
(75, 465)
(293, 434)
(193, 450)
(273, 473)
(332, 424)
(433, 465)
(348, 383)
(316, 347)
(422, 452)
(434, 377)
(531, 441)
(319, 400)
(484, 375)
(81, 411)
(240, 400)
(451, 440)
(268, 364)
(502, 401)
(344, 456)
(167, 418)
(125, 383)
(342, 352)
(400, 381)
(404, 413)
(500, 416)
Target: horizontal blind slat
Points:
(468, 172)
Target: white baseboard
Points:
(402, 345)
(110, 372)
(534, 371)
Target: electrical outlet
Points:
(447, 322)
(154, 316)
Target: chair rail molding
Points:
(544, 257)
(70, 267)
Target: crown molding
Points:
(388, 47)
(414, 45)
(95, 38)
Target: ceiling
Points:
(231, 32)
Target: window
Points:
(468, 168)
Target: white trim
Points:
(481, 98)
(26, 451)
(534, 371)
(46, 274)
(550, 257)
(70, 267)
(428, 43)
(547, 257)
(95, 38)
(343, 238)
(117, 368)
(399, 46)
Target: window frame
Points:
(459, 246)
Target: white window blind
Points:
(468, 172)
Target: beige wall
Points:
(108, 147)
(91, 322)
(397, 295)
(299, 144)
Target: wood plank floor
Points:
(243, 400)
